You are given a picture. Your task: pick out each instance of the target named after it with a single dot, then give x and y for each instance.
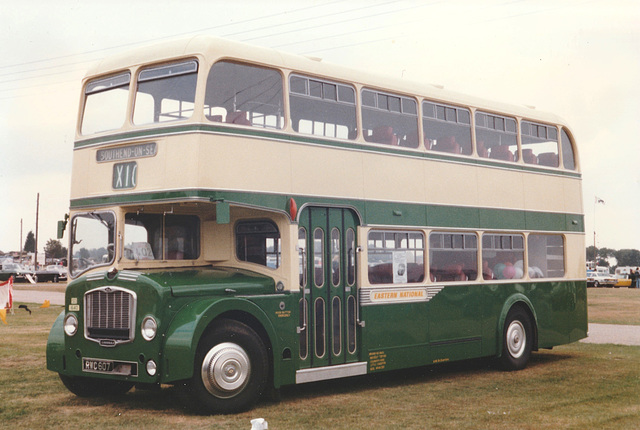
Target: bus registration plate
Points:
(93, 365)
(97, 366)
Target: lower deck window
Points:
(502, 256)
(161, 237)
(546, 255)
(396, 257)
(258, 242)
(453, 257)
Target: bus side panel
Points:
(579, 324)
(395, 335)
(192, 320)
(455, 323)
(558, 308)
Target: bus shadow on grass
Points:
(170, 398)
(414, 376)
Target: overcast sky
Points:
(578, 59)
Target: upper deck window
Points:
(568, 158)
(390, 119)
(165, 93)
(105, 104)
(244, 95)
(322, 108)
(496, 137)
(446, 128)
(539, 144)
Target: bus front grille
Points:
(110, 315)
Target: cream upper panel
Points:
(268, 165)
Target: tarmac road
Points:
(598, 333)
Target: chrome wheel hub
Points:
(516, 339)
(225, 370)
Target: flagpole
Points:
(596, 200)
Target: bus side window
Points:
(244, 94)
(546, 255)
(502, 256)
(322, 108)
(396, 257)
(539, 144)
(389, 119)
(447, 128)
(568, 157)
(496, 137)
(453, 256)
(258, 242)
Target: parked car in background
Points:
(599, 279)
(52, 273)
(19, 273)
(623, 281)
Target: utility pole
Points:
(35, 263)
(21, 241)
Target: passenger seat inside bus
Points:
(384, 135)
(548, 159)
(501, 152)
(447, 144)
(238, 117)
(529, 157)
(482, 150)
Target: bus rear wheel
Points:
(517, 340)
(231, 369)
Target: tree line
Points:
(53, 248)
(624, 257)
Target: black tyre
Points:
(517, 340)
(231, 369)
(90, 387)
(596, 284)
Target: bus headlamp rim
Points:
(70, 324)
(149, 328)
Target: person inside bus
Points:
(482, 150)
(501, 152)
(447, 144)
(487, 273)
(529, 157)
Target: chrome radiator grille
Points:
(110, 315)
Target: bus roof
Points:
(211, 49)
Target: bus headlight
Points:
(152, 368)
(149, 328)
(70, 324)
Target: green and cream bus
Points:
(243, 219)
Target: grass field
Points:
(614, 305)
(573, 386)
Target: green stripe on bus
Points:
(372, 213)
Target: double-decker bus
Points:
(243, 219)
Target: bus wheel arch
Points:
(518, 335)
(231, 368)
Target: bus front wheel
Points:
(231, 369)
(517, 340)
